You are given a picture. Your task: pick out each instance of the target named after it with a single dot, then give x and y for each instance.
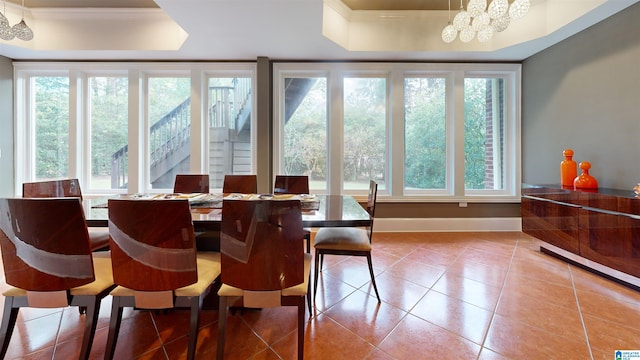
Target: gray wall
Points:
(584, 94)
(6, 127)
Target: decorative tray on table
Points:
(208, 200)
(307, 201)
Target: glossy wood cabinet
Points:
(601, 226)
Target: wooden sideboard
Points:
(599, 230)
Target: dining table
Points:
(330, 211)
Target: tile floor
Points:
(445, 295)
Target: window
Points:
(305, 130)
(169, 125)
(365, 114)
(108, 118)
(229, 128)
(51, 120)
(131, 127)
(434, 132)
(425, 134)
(491, 133)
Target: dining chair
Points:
(291, 184)
(48, 262)
(294, 184)
(66, 188)
(263, 260)
(350, 241)
(191, 183)
(155, 262)
(243, 184)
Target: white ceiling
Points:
(281, 29)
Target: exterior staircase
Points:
(229, 116)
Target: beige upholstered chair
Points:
(66, 188)
(48, 262)
(263, 260)
(347, 241)
(191, 183)
(155, 263)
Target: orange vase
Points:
(584, 180)
(568, 169)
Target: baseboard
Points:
(448, 224)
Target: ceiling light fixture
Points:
(449, 33)
(20, 30)
(6, 33)
(483, 19)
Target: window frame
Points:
(138, 74)
(454, 74)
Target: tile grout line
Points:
(495, 309)
(57, 338)
(584, 327)
(162, 343)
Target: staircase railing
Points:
(166, 136)
(227, 103)
(170, 133)
(173, 130)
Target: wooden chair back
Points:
(260, 245)
(52, 188)
(191, 183)
(291, 184)
(152, 244)
(243, 184)
(45, 244)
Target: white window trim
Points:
(79, 134)
(455, 74)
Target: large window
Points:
(484, 105)
(365, 114)
(425, 134)
(169, 125)
(108, 120)
(51, 120)
(131, 127)
(441, 132)
(304, 140)
(230, 144)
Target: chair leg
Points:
(308, 295)
(301, 328)
(114, 328)
(315, 275)
(8, 323)
(222, 326)
(307, 237)
(90, 323)
(373, 278)
(194, 324)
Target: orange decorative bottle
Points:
(568, 169)
(584, 180)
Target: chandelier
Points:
(20, 30)
(482, 19)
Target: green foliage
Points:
(364, 129)
(425, 133)
(305, 135)
(109, 120)
(52, 127)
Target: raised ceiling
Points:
(195, 30)
(87, 3)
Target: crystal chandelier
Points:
(482, 19)
(20, 30)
